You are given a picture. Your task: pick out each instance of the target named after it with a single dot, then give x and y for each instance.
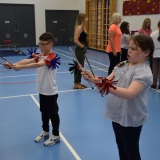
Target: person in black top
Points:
(80, 39)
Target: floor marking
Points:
(72, 58)
(86, 63)
(19, 76)
(35, 94)
(62, 137)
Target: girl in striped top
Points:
(127, 104)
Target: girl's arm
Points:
(132, 91)
(95, 79)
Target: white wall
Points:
(136, 21)
(41, 6)
(82, 4)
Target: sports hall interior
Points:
(85, 133)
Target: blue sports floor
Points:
(85, 133)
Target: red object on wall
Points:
(141, 7)
(7, 42)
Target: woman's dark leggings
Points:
(80, 57)
(124, 54)
(156, 70)
(114, 60)
(127, 139)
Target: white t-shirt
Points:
(130, 112)
(46, 78)
(154, 36)
(124, 42)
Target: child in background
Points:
(127, 103)
(46, 87)
(156, 58)
(125, 40)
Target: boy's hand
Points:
(7, 66)
(16, 67)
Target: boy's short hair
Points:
(48, 36)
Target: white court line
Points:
(26, 95)
(62, 137)
(85, 63)
(72, 58)
(19, 76)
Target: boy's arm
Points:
(18, 66)
(25, 61)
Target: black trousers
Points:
(49, 111)
(114, 60)
(80, 57)
(124, 54)
(127, 139)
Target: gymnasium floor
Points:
(85, 133)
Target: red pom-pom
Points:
(105, 85)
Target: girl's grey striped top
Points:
(130, 112)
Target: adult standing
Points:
(156, 57)
(114, 42)
(146, 27)
(80, 39)
(125, 40)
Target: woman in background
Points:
(146, 27)
(80, 39)
(114, 42)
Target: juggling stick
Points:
(76, 66)
(105, 84)
(4, 62)
(89, 64)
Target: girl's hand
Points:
(89, 76)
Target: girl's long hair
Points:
(80, 20)
(144, 25)
(124, 28)
(158, 25)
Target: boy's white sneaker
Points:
(52, 140)
(43, 135)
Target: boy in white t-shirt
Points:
(46, 87)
